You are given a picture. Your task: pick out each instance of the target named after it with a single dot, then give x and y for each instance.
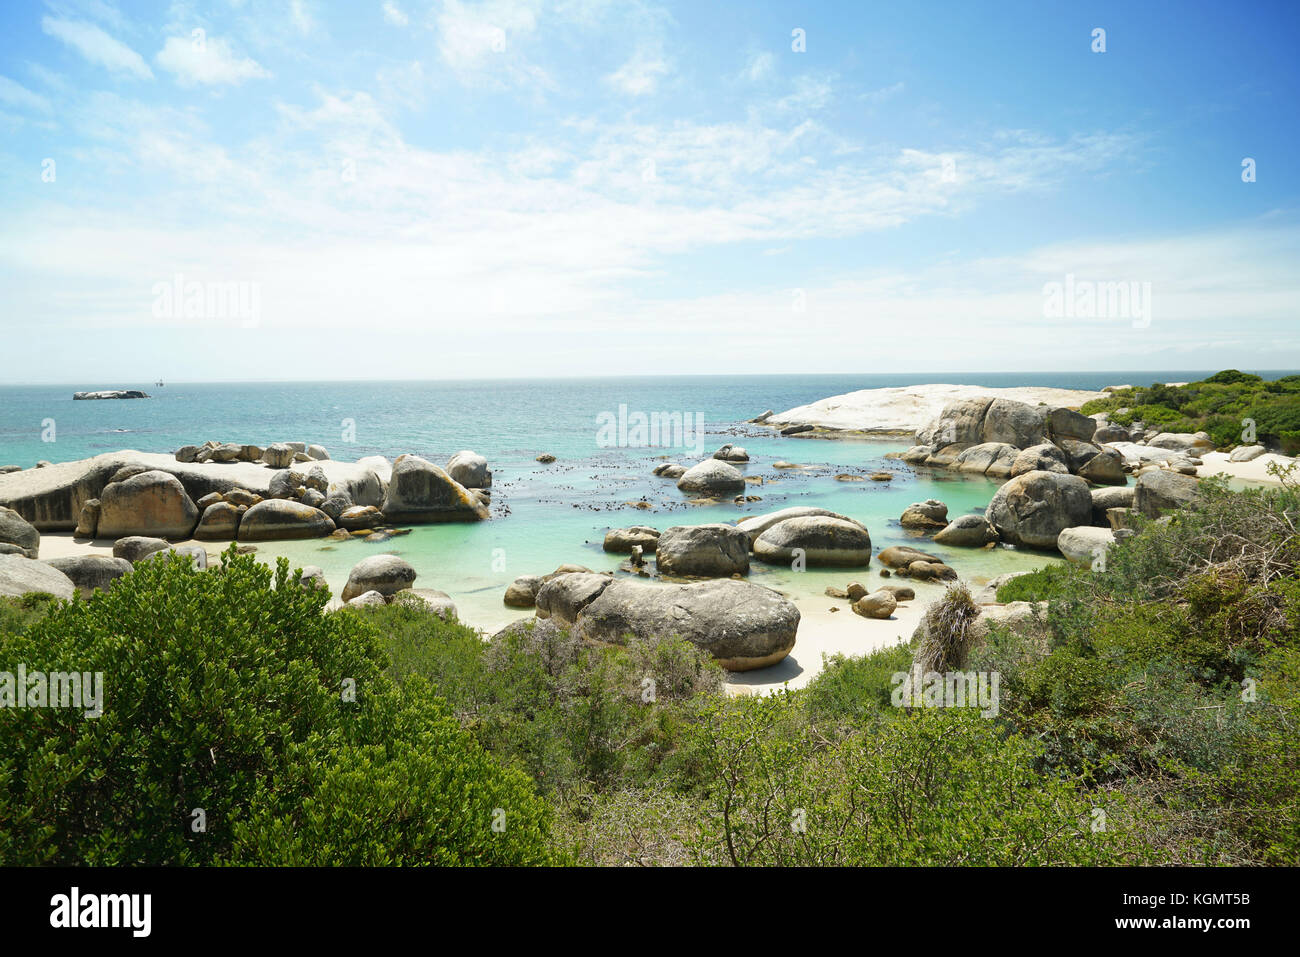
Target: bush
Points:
(225, 693)
(938, 787)
(849, 690)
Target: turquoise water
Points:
(543, 515)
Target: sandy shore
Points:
(824, 632)
(905, 409)
(1256, 470)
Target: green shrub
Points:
(226, 693)
(849, 690)
(938, 787)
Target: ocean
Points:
(543, 515)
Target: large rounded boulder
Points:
(622, 540)
(1158, 491)
(1032, 509)
(967, 531)
(758, 524)
(711, 551)
(89, 572)
(150, 503)
(469, 469)
(386, 574)
(20, 575)
(821, 541)
(564, 596)
(16, 531)
(279, 518)
(420, 491)
(742, 625)
(712, 477)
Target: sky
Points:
(300, 189)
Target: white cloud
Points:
(15, 94)
(640, 74)
(884, 93)
(759, 66)
(394, 14)
(210, 62)
(97, 46)
(301, 17)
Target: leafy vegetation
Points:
(1219, 406)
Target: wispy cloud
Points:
(206, 60)
(640, 75)
(394, 14)
(16, 95)
(97, 46)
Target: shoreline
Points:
(821, 632)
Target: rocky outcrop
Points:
(1246, 453)
(712, 477)
(219, 523)
(731, 453)
(563, 597)
(282, 519)
(1104, 499)
(994, 459)
(386, 574)
(903, 556)
(758, 524)
(470, 470)
(622, 540)
(1040, 458)
(967, 531)
(1067, 424)
(51, 499)
(15, 530)
(743, 626)
(1033, 508)
(522, 592)
(150, 503)
(136, 548)
(1085, 544)
(421, 492)
(928, 514)
(819, 540)
(111, 394)
(20, 575)
(1106, 467)
(1158, 491)
(89, 572)
(877, 604)
(710, 551)
(1003, 438)
(1193, 443)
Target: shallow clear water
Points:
(543, 515)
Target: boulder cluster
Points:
(1002, 438)
(208, 494)
(741, 625)
(1054, 510)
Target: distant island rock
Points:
(113, 394)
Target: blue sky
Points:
(519, 187)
